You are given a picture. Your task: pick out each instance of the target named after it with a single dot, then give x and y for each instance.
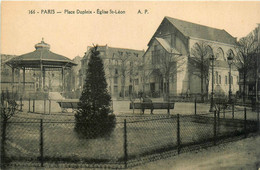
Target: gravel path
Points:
(242, 154)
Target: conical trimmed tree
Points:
(93, 118)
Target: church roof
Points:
(203, 32)
(167, 46)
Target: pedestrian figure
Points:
(147, 102)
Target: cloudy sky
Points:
(70, 34)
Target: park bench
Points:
(68, 104)
(152, 106)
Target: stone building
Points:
(175, 39)
(122, 67)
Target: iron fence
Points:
(134, 140)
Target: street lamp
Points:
(212, 58)
(230, 60)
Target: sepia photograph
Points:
(143, 85)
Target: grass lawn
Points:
(144, 136)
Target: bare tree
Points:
(109, 71)
(199, 65)
(146, 71)
(169, 65)
(246, 58)
(8, 108)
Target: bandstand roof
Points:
(42, 55)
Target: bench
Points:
(68, 104)
(152, 106)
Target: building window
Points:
(136, 81)
(115, 80)
(116, 71)
(102, 53)
(219, 79)
(226, 80)
(120, 53)
(155, 55)
(115, 89)
(231, 79)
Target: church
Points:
(167, 66)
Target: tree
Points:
(93, 118)
(169, 65)
(246, 58)
(123, 59)
(199, 64)
(8, 108)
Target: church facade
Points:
(170, 50)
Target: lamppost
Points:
(212, 58)
(230, 60)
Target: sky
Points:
(70, 34)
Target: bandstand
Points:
(40, 60)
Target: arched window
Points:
(230, 52)
(220, 54)
(219, 79)
(209, 51)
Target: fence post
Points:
(233, 109)
(21, 104)
(125, 144)
(195, 105)
(41, 143)
(178, 134)
(33, 105)
(49, 106)
(217, 131)
(29, 109)
(215, 127)
(245, 122)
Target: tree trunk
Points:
(244, 87)
(202, 89)
(163, 88)
(168, 89)
(207, 89)
(202, 80)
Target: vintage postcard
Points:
(130, 84)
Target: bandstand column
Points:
(40, 81)
(23, 79)
(71, 81)
(63, 79)
(43, 71)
